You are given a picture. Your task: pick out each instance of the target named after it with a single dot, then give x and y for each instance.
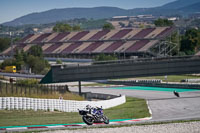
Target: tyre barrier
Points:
(23, 103)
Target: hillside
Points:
(179, 4)
(179, 7)
(54, 15)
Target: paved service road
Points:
(164, 105)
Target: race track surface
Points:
(163, 104)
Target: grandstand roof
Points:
(94, 41)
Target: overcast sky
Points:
(11, 9)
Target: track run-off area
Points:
(162, 103)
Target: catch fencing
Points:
(20, 90)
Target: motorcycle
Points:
(93, 115)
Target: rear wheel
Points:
(88, 120)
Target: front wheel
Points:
(106, 120)
(88, 120)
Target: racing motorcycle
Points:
(93, 115)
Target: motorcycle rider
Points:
(96, 111)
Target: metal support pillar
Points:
(79, 87)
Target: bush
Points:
(108, 26)
(103, 57)
(27, 82)
(58, 61)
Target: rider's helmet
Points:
(88, 107)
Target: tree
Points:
(4, 43)
(37, 64)
(108, 26)
(60, 27)
(19, 59)
(163, 22)
(103, 57)
(58, 61)
(190, 42)
(36, 50)
(122, 24)
(76, 28)
(33, 59)
(8, 62)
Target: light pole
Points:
(11, 43)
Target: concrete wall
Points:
(127, 69)
(22, 103)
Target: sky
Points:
(11, 9)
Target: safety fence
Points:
(23, 103)
(12, 89)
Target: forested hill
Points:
(179, 7)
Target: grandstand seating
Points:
(132, 33)
(45, 46)
(137, 45)
(125, 46)
(59, 37)
(14, 48)
(148, 45)
(26, 48)
(99, 35)
(8, 50)
(25, 38)
(50, 37)
(81, 47)
(61, 48)
(71, 47)
(121, 34)
(79, 35)
(143, 33)
(91, 47)
(165, 32)
(154, 33)
(52, 48)
(95, 41)
(41, 38)
(102, 47)
(113, 47)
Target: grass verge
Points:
(133, 108)
(37, 91)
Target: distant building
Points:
(195, 15)
(173, 18)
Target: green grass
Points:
(133, 108)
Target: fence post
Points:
(29, 90)
(41, 89)
(6, 88)
(0, 88)
(16, 89)
(47, 90)
(12, 90)
(21, 88)
(51, 89)
(37, 88)
(25, 90)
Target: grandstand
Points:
(122, 42)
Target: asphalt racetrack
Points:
(162, 102)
